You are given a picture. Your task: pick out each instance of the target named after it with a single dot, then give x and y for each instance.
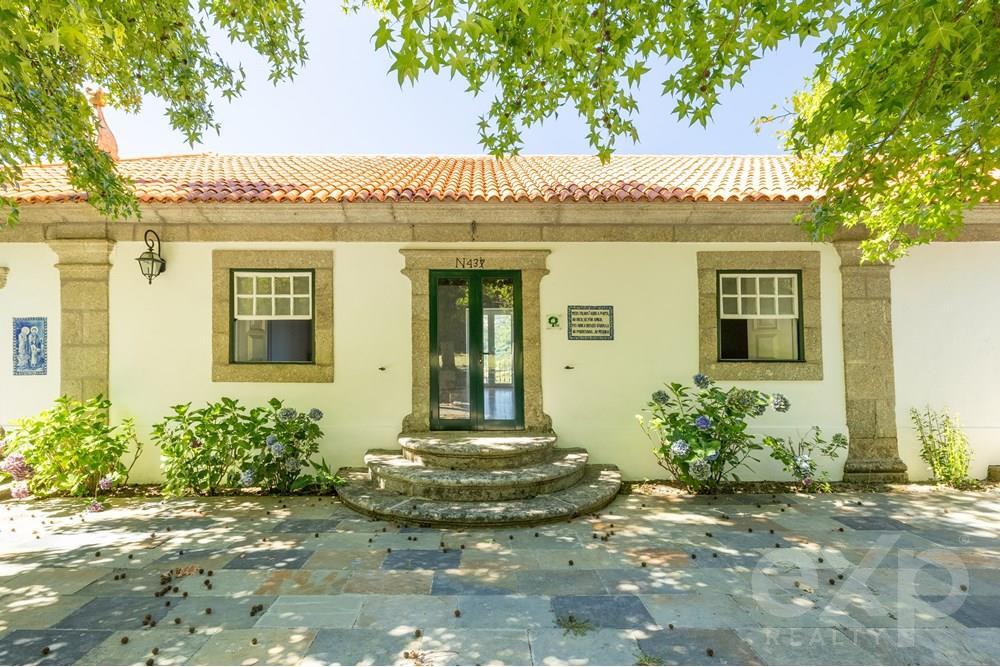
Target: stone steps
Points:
(476, 450)
(597, 488)
(391, 471)
(478, 479)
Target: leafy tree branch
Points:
(52, 50)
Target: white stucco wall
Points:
(161, 347)
(653, 288)
(946, 342)
(32, 291)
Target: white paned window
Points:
(272, 317)
(759, 317)
(272, 295)
(751, 296)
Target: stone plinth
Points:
(83, 266)
(869, 376)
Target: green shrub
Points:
(700, 432)
(801, 459)
(943, 445)
(225, 445)
(70, 449)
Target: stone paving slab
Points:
(625, 612)
(49, 580)
(37, 611)
(48, 646)
(288, 559)
(691, 647)
(596, 647)
(697, 610)
(172, 646)
(304, 582)
(272, 647)
(474, 582)
(312, 611)
(805, 646)
(114, 613)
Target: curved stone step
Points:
(392, 471)
(476, 450)
(597, 488)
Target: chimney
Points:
(105, 139)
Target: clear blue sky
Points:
(344, 101)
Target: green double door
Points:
(476, 361)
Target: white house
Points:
(536, 294)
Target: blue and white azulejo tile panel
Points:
(30, 342)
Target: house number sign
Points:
(590, 322)
(470, 262)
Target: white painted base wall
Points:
(161, 352)
(945, 339)
(32, 291)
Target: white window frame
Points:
(253, 296)
(757, 296)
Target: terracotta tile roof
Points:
(361, 178)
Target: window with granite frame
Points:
(272, 316)
(759, 315)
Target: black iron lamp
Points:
(151, 263)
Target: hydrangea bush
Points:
(71, 449)
(700, 432)
(801, 459)
(291, 442)
(225, 445)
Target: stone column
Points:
(869, 378)
(83, 275)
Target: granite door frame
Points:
(417, 267)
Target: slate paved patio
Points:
(909, 577)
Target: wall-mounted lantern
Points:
(151, 263)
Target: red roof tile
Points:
(361, 178)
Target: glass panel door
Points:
(476, 350)
(452, 353)
(498, 349)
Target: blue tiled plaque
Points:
(30, 342)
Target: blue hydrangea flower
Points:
(780, 403)
(292, 464)
(702, 381)
(287, 414)
(680, 448)
(661, 397)
(713, 456)
(271, 439)
(315, 414)
(703, 422)
(276, 448)
(247, 478)
(700, 469)
(743, 399)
